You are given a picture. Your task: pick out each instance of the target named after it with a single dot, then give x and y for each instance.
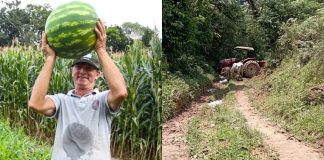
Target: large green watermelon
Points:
(70, 29)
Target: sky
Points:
(148, 13)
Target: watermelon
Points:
(70, 29)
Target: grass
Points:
(14, 144)
(283, 94)
(179, 90)
(284, 102)
(222, 133)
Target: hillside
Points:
(293, 93)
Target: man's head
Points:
(85, 71)
(90, 58)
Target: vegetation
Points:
(290, 91)
(137, 130)
(203, 32)
(14, 144)
(27, 24)
(117, 41)
(222, 133)
(287, 34)
(178, 91)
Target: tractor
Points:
(251, 66)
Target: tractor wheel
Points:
(250, 69)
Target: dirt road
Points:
(174, 146)
(287, 147)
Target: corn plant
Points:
(20, 67)
(137, 130)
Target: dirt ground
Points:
(174, 145)
(287, 147)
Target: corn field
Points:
(136, 132)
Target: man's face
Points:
(84, 75)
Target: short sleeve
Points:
(104, 100)
(57, 102)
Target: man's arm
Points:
(114, 79)
(38, 101)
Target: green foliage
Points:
(256, 37)
(201, 32)
(275, 13)
(136, 31)
(231, 27)
(286, 102)
(196, 32)
(14, 144)
(120, 37)
(20, 67)
(179, 90)
(288, 87)
(147, 36)
(24, 24)
(222, 133)
(136, 130)
(180, 28)
(117, 40)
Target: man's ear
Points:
(98, 75)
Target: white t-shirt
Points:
(83, 126)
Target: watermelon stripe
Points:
(56, 15)
(73, 53)
(75, 6)
(67, 41)
(64, 12)
(70, 29)
(72, 15)
(70, 36)
(56, 30)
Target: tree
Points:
(276, 13)
(38, 15)
(197, 32)
(24, 24)
(147, 36)
(133, 30)
(117, 40)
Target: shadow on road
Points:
(222, 90)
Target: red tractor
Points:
(251, 67)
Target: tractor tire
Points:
(250, 69)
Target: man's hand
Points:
(101, 36)
(48, 51)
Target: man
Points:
(237, 71)
(84, 114)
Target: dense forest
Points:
(200, 33)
